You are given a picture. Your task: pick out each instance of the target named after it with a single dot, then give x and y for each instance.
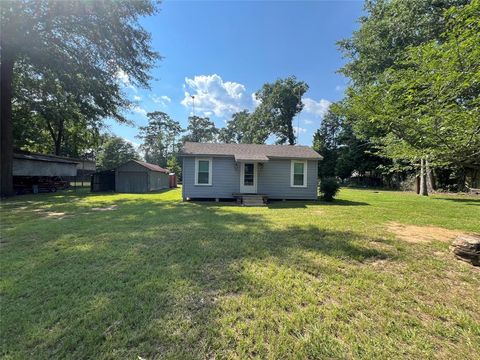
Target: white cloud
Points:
(215, 96)
(255, 101)
(137, 98)
(124, 79)
(139, 110)
(123, 76)
(163, 100)
(307, 122)
(299, 130)
(318, 108)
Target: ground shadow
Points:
(474, 202)
(294, 204)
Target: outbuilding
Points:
(32, 164)
(140, 177)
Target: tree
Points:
(235, 129)
(115, 151)
(387, 29)
(280, 102)
(73, 39)
(200, 129)
(174, 166)
(245, 128)
(343, 152)
(325, 142)
(63, 125)
(160, 138)
(427, 108)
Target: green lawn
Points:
(122, 276)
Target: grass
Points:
(113, 276)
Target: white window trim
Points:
(293, 162)
(209, 171)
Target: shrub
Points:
(329, 188)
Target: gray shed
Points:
(140, 177)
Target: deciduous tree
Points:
(95, 40)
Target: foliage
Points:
(387, 30)
(174, 166)
(343, 152)
(329, 187)
(47, 118)
(200, 129)
(162, 279)
(428, 105)
(84, 45)
(160, 138)
(237, 128)
(279, 103)
(245, 128)
(115, 151)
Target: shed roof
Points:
(252, 152)
(152, 167)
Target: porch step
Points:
(253, 200)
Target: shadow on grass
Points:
(474, 202)
(143, 280)
(294, 204)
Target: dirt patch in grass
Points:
(421, 234)
(106, 208)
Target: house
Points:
(222, 171)
(140, 177)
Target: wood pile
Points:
(467, 248)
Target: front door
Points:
(248, 178)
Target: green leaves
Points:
(280, 102)
(426, 103)
(160, 138)
(115, 151)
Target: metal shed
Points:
(140, 177)
(30, 164)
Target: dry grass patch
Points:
(421, 234)
(106, 208)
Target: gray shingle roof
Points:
(251, 151)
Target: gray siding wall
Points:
(225, 179)
(157, 181)
(273, 180)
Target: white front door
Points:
(248, 178)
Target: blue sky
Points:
(222, 52)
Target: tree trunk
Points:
(6, 126)
(423, 178)
(291, 134)
(430, 178)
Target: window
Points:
(203, 172)
(248, 175)
(298, 174)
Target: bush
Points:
(329, 188)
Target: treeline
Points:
(413, 103)
(47, 119)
